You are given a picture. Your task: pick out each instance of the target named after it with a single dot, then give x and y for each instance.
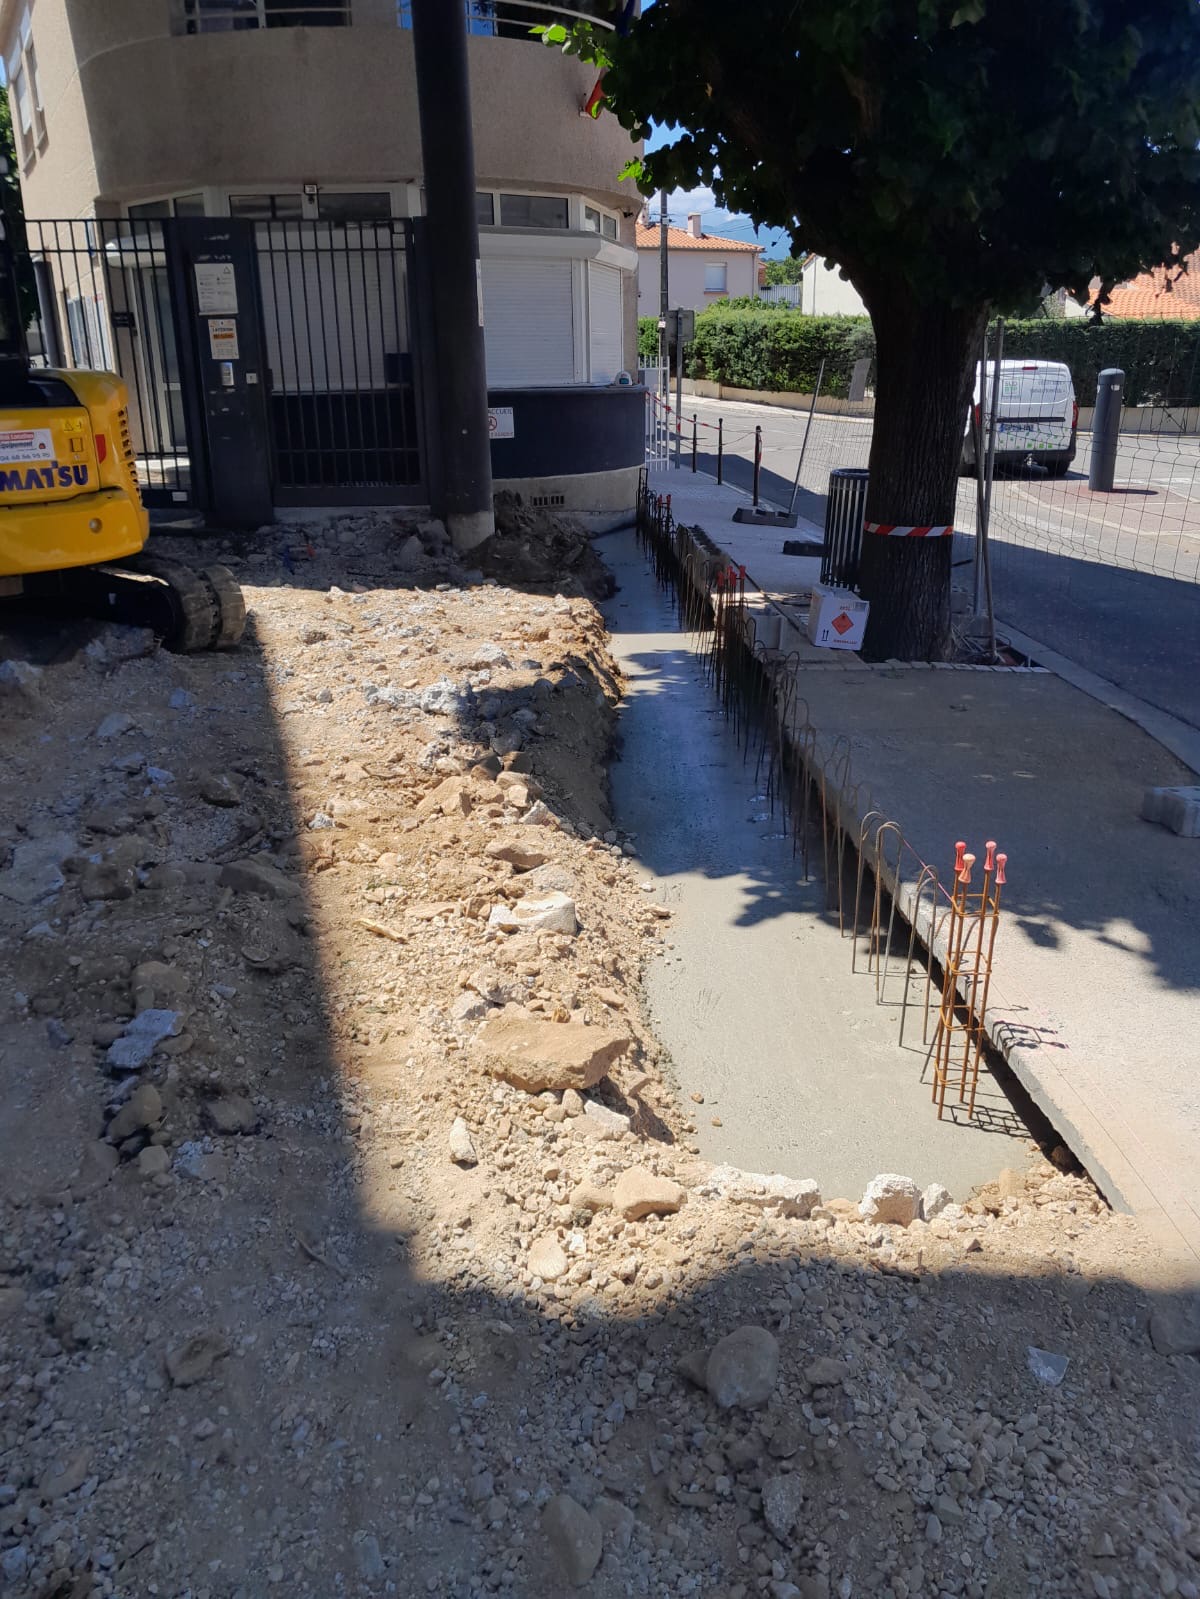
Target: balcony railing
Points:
(515, 19)
(235, 16)
(497, 19)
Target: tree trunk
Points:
(924, 370)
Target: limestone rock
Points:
(572, 1102)
(1011, 1183)
(35, 870)
(743, 1368)
(218, 788)
(547, 1259)
(1175, 1325)
(891, 1198)
(617, 1523)
(576, 1537)
(539, 814)
(114, 725)
(782, 1498)
(143, 1108)
(141, 1038)
(157, 986)
(99, 1161)
(468, 1007)
(825, 1371)
(590, 1196)
(553, 913)
(153, 1161)
(794, 1197)
(20, 680)
(257, 876)
(639, 1193)
(604, 1122)
(462, 1150)
(525, 857)
(934, 1201)
(191, 1362)
(231, 1114)
(535, 1055)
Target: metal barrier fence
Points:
(103, 302)
(336, 329)
(927, 939)
(1150, 522)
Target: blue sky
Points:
(714, 219)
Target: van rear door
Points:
(1037, 406)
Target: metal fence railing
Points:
(516, 19)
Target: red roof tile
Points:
(1162, 293)
(681, 239)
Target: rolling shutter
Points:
(605, 322)
(527, 322)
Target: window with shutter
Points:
(528, 322)
(606, 333)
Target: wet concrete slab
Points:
(756, 1000)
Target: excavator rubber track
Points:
(189, 608)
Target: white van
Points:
(1036, 418)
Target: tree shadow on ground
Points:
(399, 1398)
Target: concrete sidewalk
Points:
(1096, 997)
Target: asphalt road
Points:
(1112, 581)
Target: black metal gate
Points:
(104, 300)
(337, 330)
(342, 408)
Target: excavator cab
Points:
(72, 522)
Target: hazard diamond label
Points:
(842, 623)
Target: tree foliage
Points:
(978, 149)
(789, 270)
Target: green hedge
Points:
(780, 352)
(648, 340)
(1161, 360)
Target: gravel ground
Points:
(352, 1235)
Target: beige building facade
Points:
(289, 112)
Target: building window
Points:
(189, 205)
(485, 210)
(29, 121)
(149, 209)
(20, 85)
(267, 207)
(716, 277)
(368, 207)
(230, 16)
(533, 211)
(599, 222)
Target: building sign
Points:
(500, 422)
(223, 338)
(29, 444)
(216, 288)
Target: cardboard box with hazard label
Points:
(837, 618)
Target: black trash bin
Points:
(845, 507)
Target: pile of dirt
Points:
(541, 549)
(353, 1238)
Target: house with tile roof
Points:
(1165, 294)
(701, 267)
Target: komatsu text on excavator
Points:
(73, 528)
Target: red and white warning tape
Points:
(893, 530)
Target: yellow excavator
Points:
(73, 528)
